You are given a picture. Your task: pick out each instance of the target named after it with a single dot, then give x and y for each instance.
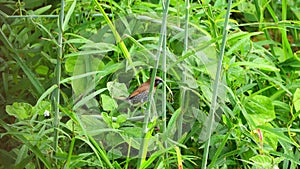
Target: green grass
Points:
(230, 97)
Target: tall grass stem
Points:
(216, 85)
(143, 146)
(56, 94)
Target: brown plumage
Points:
(140, 95)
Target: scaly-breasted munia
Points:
(140, 95)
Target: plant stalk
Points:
(216, 85)
(56, 94)
(143, 146)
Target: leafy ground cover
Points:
(230, 96)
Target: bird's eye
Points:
(157, 81)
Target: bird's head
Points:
(157, 81)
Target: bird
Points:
(140, 95)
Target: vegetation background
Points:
(230, 97)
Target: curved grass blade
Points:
(33, 79)
(32, 148)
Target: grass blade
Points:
(32, 148)
(33, 79)
(68, 15)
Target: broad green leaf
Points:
(249, 11)
(108, 103)
(76, 62)
(70, 64)
(19, 110)
(270, 140)
(107, 119)
(237, 76)
(121, 118)
(41, 69)
(113, 139)
(72, 126)
(96, 127)
(296, 100)
(115, 125)
(117, 90)
(263, 161)
(42, 107)
(135, 132)
(84, 64)
(260, 109)
(30, 4)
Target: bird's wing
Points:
(142, 88)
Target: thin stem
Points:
(143, 146)
(164, 102)
(288, 53)
(186, 25)
(183, 89)
(47, 16)
(216, 86)
(164, 68)
(56, 95)
(70, 153)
